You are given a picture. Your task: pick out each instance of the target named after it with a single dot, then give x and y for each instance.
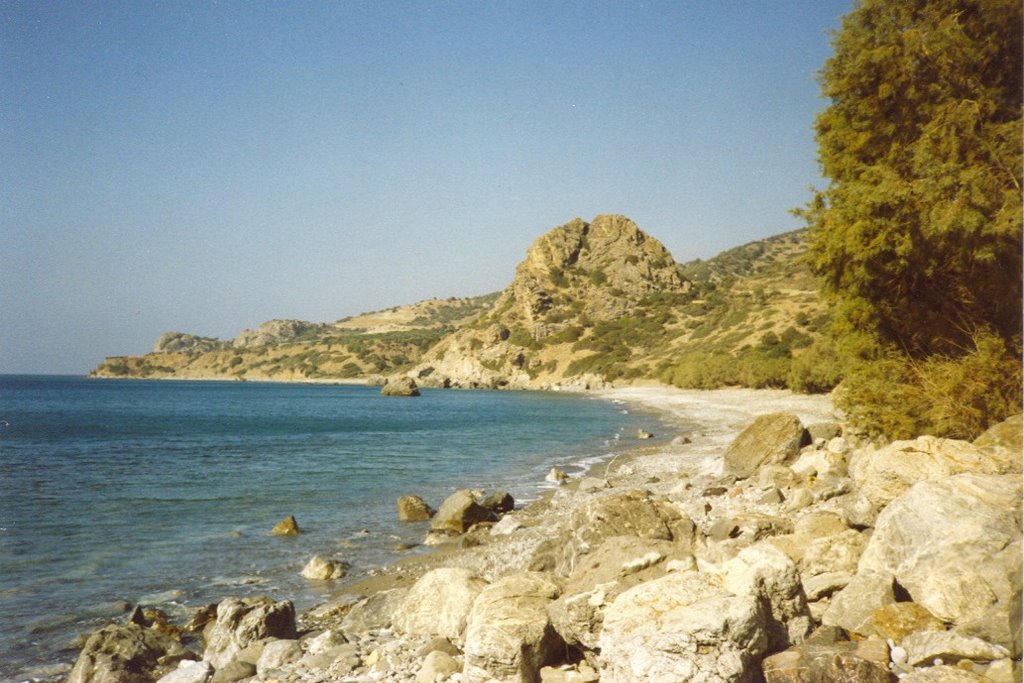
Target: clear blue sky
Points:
(206, 166)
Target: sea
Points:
(163, 493)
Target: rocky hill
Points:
(602, 302)
(592, 304)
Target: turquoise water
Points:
(164, 492)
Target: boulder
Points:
(826, 657)
(631, 513)
(618, 564)
(944, 674)
(438, 604)
(770, 439)
(499, 502)
(766, 572)
(955, 546)
(400, 386)
(556, 476)
(896, 621)
(286, 527)
(825, 585)
(853, 607)
(459, 512)
(323, 569)
(884, 474)
(373, 612)
(126, 653)
(509, 635)
(682, 627)
(1004, 442)
(241, 623)
(189, 671)
(838, 553)
(924, 647)
(276, 654)
(435, 664)
(413, 509)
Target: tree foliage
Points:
(918, 234)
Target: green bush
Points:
(894, 396)
(817, 370)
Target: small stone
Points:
(723, 528)
(771, 497)
(644, 434)
(681, 441)
(286, 527)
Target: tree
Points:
(918, 234)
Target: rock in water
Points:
(401, 386)
(770, 439)
(459, 512)
(413, 509)
(508, 634)
(286, 527)
(499, 502)
(125, 654)
(322, 569)
(556, 476)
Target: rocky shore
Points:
(769, 545)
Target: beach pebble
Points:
(322, 569)
(437, 665)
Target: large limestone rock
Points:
(618, 564)
(853, 608)
(955, 546)
(508, 634)
(439, 604)
(632, 513)
(683, 627)
(769, 439)
(126, 653)
(925, 647)
(459, 512)
(241, 623)
(1004, 442)
(883, 474)
(765, 571)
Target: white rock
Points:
(955, 546)
(506, 525)
(276, 654)
(682, 627)
(437, 666)
(322, 569)
(189, 672)
(439, 604)
(924, 646)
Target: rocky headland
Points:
(770, 544)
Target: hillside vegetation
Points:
(351, 348)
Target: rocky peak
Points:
(606, 265)
(275, 332)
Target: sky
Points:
(206, 166)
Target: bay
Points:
(164, 492)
